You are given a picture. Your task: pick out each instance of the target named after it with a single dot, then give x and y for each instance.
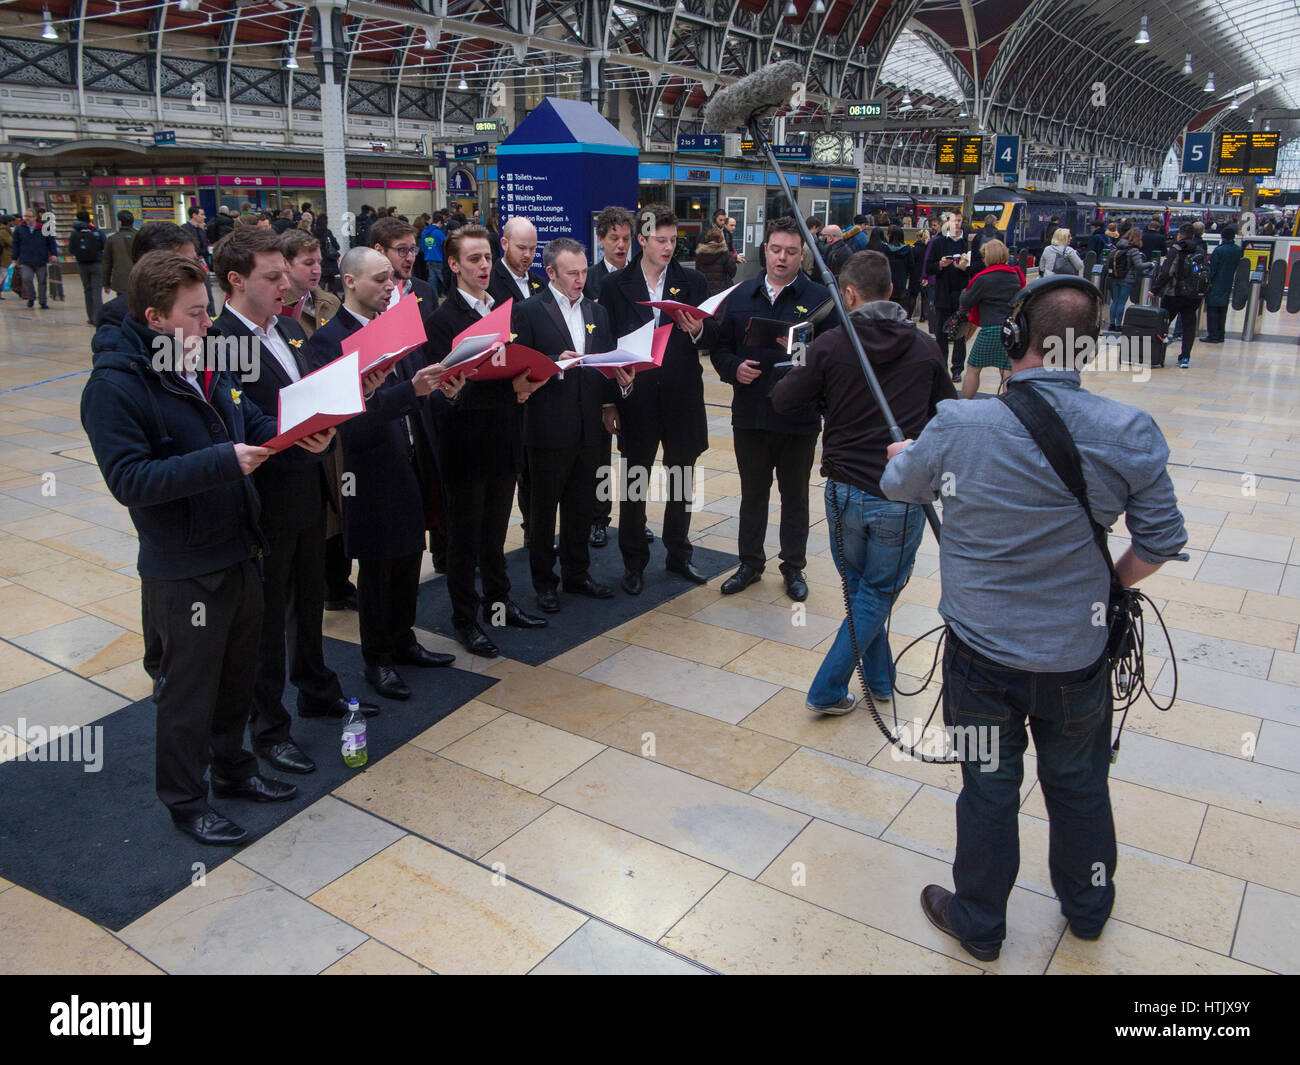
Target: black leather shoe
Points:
(387, 682)
(521, 619)
(599, 535)
(256, 788)
(795, 586)
(289, 757)
(934, 904)
(423, 657)
(347, 601)
(548, 602)
(476, 642)
(633, 581)
(338, 708)
(591, 589)
(687, 570)
(439, 563)
(741, 579)
(211, 828)
(649, 536)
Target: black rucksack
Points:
(1119, 263)
(84, 245)
(837, 256)
(1193, 278)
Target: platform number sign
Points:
(1006, 155)
(1197, 149)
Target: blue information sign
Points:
(1006, 155)
(793, 153)
(699, 142)
(167, 136)
(471, 151)
(1197, 148)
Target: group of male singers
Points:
(434, 461)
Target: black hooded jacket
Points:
(168, 454)
(912, 374)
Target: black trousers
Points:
(525, 483)
(604, 512)
(338, 568)
(679, 480)
(293, 597)
(478, 515)
(942, 314)
(759, 454)
(386, 593)
(1216, 320)
(563, 478)
(210, 627)
(153, 648)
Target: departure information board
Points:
(1234, 154)
(1263, 153)
(958, 155)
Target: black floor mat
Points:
(103, 845)
(580, 619)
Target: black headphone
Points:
(1015, 330)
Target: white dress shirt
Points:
(772, 293)
(273, 342)
(525, 289)
(656, 291)
(483, 306)
(571, 312)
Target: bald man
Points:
(513, 276)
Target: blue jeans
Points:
(1119, 292)
(1070, 717)
(880, 542)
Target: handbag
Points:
(8, 284)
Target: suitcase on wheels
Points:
(1152, 322)
(54, 279)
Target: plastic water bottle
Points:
(354, 736)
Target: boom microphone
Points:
(761, 93)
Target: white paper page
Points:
(336, 389)
(468, 348)
(714, 302)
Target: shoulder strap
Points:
(1052, 436)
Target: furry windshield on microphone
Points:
(761, 93)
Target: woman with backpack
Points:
(329, 253)
(988, 297)
(1181, 283)
(1059, 258)
(1124, 268)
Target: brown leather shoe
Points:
(934, 904)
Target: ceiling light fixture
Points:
(1234, 105)
(462, 85)
(1209, 82)
(818, 7)
(790, 10)
(1252, 116)
(907, 98)
(1187, 64)
(48, 32)
(291, 63)
(429, 43)
(1143, 37)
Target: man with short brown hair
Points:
(176, 445)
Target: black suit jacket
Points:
(382, 505)
(502, 287)
(566, 412)
(479, 431)
(596, 277)
(427, 425)
(292, 484)
(667, 403)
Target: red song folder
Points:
(639, 350)
(325, 398)
(705, 310)
(387, 338)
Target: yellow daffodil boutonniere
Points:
(236, 396)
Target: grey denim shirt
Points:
(1021, 573)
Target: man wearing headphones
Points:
(1024, 594)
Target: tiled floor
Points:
(658, 799)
